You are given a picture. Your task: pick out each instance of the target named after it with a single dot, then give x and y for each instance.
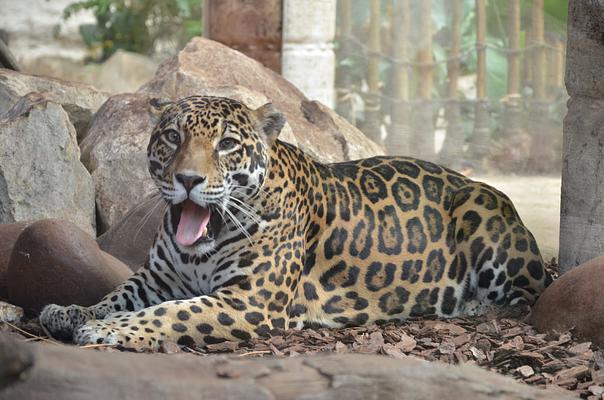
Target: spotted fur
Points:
(296, 242)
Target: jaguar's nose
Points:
(189, 181)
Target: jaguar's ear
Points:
(269, 122)
(158, 106)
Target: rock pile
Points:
(73, 153)
(40, 167)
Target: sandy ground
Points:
(537, 199)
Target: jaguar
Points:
(259, 237)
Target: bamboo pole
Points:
(423, 111)
(514, 45)
(454, 139)
(560, 64)
(539, 51)
(480, 138)
(398, 137)
(512, 106)
(481, 53)
(344, 81)
(538, 121)
(554, 66)
(424, 55)
(372, 99)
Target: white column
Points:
(308, 59)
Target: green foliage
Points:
(137, 25)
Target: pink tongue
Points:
(193, 220)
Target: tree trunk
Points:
(582, 208)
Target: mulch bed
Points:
(504, 343)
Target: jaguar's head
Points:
(208, 155)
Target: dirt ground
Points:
(537, 199)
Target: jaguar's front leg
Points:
(224, 315)
(143, 289)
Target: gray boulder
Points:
(41, 175)
(130, 239)
(115, 154)
(80, 101)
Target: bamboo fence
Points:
(401, 108)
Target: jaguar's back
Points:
(393, 237)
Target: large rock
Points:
(124, 72)
(130, 238)
(8, 236)
(115, 154)
(80, 101)
(54, 261)
(114, 150)
(41, 175)
(574, 301)
(205, 67)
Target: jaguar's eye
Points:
(227, 144)
(172, 136)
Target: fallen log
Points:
(66, 372)
(15, 361)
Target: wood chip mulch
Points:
(502, 342)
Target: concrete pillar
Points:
(582, 206)
(308, 59)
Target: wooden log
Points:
(15, 362)
(65, 372)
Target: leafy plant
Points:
(137, 25)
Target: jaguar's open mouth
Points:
(194, 224)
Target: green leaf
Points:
(90, 34)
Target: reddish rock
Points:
(206, 67)
(574, 300)
(131, 237)
(8, 236)
(54, 261)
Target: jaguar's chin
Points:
(196, 226)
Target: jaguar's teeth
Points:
(205, 232)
